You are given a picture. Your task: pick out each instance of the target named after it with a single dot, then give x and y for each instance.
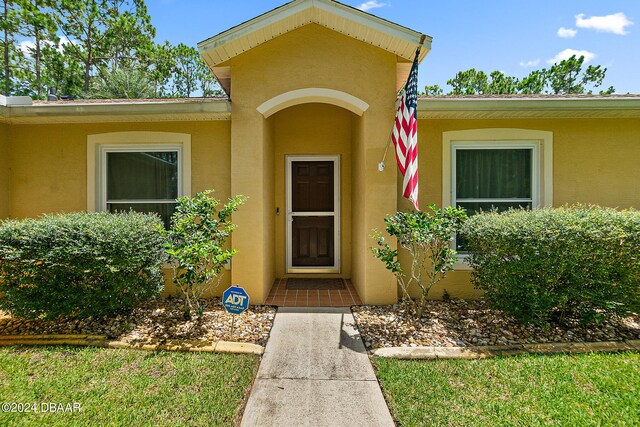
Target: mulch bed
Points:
(160, 319)
(460, 323)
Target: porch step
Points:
(313, 297)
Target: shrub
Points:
(427, 238)
(197, 241)
(551, 264)
(80, 264)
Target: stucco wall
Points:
(268, 189)
(43, 170)
(49, 165)
(313, 129)
(49, 162)
(4, 172)
(595, 161)
(309, 57)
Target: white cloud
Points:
(568, 53)
(567, 33)
(372, 4)
(528, 64)
(64, 40)
(616, 23)
(28, 46)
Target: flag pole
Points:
(386, 149)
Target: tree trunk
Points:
(38, 54)
(189, 82)
(116, 53)
(87, 74)
(38, 74)
(88, 62)
(7, 80)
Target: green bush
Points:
(559, 264)
(80, 264)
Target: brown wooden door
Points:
(312, 206)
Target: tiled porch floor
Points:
(283, 297)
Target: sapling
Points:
(427, 239)
(197, 244)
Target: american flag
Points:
(405, 135)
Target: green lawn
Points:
(560, 390)
(121, 387)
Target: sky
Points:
(513, 36)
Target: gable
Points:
(351, 22)
(312, 57)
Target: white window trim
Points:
(540, 141)
(507, 145)
(98, 145)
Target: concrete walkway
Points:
(315, 372)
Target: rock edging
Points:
(483, 352)
(154, 345)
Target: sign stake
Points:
(233, 320)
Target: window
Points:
(485, 169)
(139, 171)
(493, 176)
(143, 180)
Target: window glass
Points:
(145, 182)
(142, 175)
(493, 173)
(492, 179)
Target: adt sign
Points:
(235, 300)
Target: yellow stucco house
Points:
(311, 102)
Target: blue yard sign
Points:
(235, 300)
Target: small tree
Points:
(123, 83)
(426, 237)
(564, 77)
(197, 239)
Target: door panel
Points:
(312, 185)
(312, 241)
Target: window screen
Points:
(492, 179)
(142, 181)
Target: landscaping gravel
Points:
(459, 323)
(160, 319)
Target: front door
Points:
(313, 214)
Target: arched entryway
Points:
(312, 164)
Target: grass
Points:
(121, 387)
(560, 390)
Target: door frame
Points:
(335, 268)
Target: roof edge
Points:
(297, 6)
(118, 112)
(529, 107)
